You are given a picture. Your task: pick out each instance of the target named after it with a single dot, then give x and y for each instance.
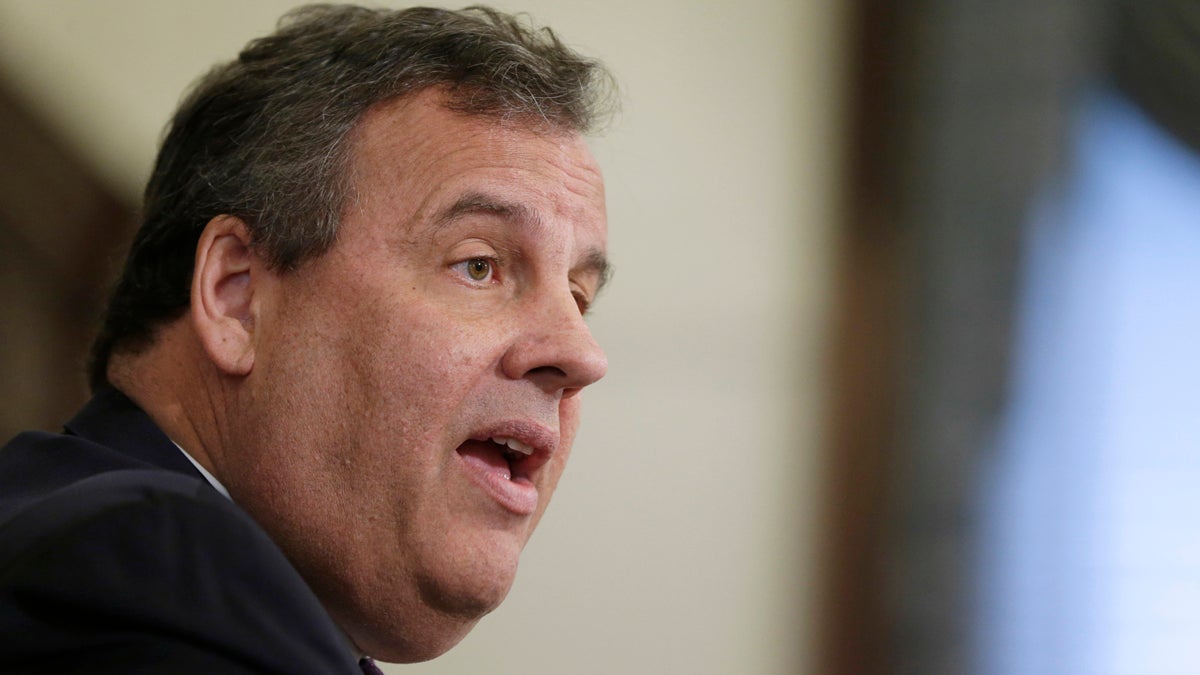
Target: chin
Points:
(472, 574)
(448, 609)
(405, 649)
(472, 596)
(443, 621)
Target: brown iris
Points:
(479, 268)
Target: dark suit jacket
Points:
(117, 556)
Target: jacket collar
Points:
(113, 420)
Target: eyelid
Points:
(475, 247)
(582, 299)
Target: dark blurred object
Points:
(959, 111)
(59, 227)
(1155, 60)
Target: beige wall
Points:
(681, 540)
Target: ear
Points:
(226, 277)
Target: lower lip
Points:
(517, 495)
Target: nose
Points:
(555, 349)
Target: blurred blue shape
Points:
(1090, 559)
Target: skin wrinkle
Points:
(592, 273)
(593, 266)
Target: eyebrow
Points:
(478, 202)
(594, 261)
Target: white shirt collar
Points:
(212, 480)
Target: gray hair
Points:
(267, 137)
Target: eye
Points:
(477, 269)
(582, 303)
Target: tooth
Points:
(519, 446)
(513, 444)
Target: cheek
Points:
(569, 412)
(407, 341)
(568, 416)
(415, 373)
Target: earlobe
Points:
(224, 281)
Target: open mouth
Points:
(502, 456)
(503, 467)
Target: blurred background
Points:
(900, 338)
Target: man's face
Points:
(415, 391)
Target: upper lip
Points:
(539, 438)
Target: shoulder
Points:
(134, 508)
(35, 464)
(153, 561)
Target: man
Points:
(339, 377)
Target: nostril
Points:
(549, 371)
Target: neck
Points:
(171, 381)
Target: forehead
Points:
(413, 155)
